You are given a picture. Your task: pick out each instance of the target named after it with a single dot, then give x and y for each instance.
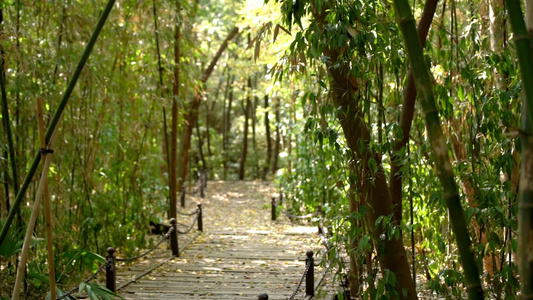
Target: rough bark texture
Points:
(375, 190)
(375, 193)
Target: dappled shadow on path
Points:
(241, 253)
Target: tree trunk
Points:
(201, 146)
(246, 109)
(277, 145)
(254, 121)
(5, 115)
(525, 215)
(374, 188)
(375, 191)
(173, 168)
(266, 166)
(192, 115)
(55, 119)
(424, 86)
(406, 118)
(355, 262)
(228, 125)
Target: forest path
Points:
(241, 253)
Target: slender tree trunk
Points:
(173, 167)
(254, 122)
(374, 188)
(266, 166)
(228, 126)
(201, 146)
(47, 209)
(524, 50)
(277, 145)
(225, 110)
(438, 145)
(246, 110)
(6, 187)
(496, 13)
(355, 261)
(406, 117)
(209, 112)
(56, 117)
(192, 115)
(164, 141)
(5, 113)
(59, 39)
(375, 191)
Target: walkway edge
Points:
(158, 265)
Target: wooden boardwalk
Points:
(241, 253)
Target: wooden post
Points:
(110, 275)
(310, 276)
(273, 208)
(200, 221)
(174, 238)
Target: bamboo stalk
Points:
(5, 117)
(523, 51)
(522, 39)
(56, 117)
(439, 148)
(47, 210)
(31, 223)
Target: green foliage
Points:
(478, 92)
(109, 173)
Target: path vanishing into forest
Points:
(240, 254)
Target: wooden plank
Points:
(233, 262)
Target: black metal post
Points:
(310, 276)
(182, 196)
(200, 221)
(280, 198)
(174, 238)
(262, 296)
(110, 275)
(273, 208)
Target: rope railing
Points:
(198, 213)
(308, 276)
(275, 207)
(202, 187)
(141, 275)
(186, 214)
(309, 269)
(163, 239)
(111, 259)
(310, 264)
